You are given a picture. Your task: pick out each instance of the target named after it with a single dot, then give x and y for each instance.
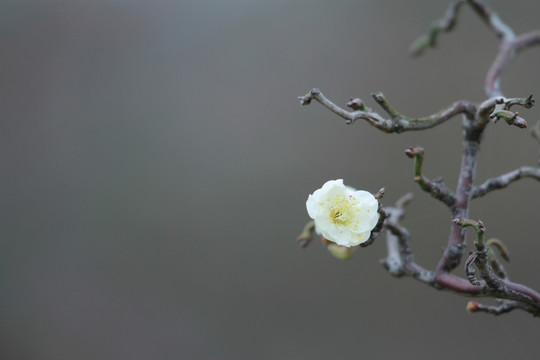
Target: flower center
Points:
(340, 212)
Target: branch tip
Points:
(307, 234)
(509, 117)
(404, 200)
(380, 193)
(472, 307)
(412, 152)
(497, 244)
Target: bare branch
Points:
(480, 256)
(508, 49)
(381, 100)
(459, 107)
(448, 22)
(398, 123)
(492, 20)
(505, 307)
(400, 260)
(527, 102)
(436, 188)
(508, 291)
(397, 239)
(456, 241)
(510, 44)
(372, 118)
(445, 24)
(492, 281)
(497, 108)
(505, 180)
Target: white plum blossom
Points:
(342, 214)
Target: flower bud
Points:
(341, 252)
(472, 307)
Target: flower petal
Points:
(342, 214)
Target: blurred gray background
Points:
(155, 163)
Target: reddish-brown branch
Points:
(509, 290)
(400, 262)
(507, 51)
(454, 251)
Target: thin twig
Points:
(492, 20)
(497, 108)
(400, 262)
(448, 22)
(507, 51)
(505, 307)
(395, 124)
(481, 254)
(436, 188)
(445, 24)
(503, 181)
